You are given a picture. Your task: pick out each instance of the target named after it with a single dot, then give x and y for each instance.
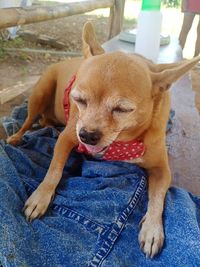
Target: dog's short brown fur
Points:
(122, 96)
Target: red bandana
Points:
(118, 150)
(66, 103)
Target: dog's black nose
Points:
(90, 138)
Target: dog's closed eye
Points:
(119, 109)
(80, 101)
(78, 97)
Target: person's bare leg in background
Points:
(186, 26)
(197, 45)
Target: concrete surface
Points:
(184, 138)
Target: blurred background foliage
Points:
(171, 3)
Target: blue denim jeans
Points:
(94, 217)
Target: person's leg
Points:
(186, 26)
(197, 45)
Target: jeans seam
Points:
(117, 227)
(90, 225)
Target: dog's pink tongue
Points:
(93, 149)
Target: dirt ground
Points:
(19, 65)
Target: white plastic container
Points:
(148, 34)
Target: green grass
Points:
(17, 42)
(2, 53)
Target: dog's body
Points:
(115, 97)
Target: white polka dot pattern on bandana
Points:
(120, 150)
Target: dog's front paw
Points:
(151, 236)
(37, 204)
(14, 139)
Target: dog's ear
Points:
(163, 75)
(90, 45)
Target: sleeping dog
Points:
(114, 105)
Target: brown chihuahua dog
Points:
(111, 99)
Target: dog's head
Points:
(115, 93)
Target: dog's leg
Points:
(45, 121)
(151, 236)
(38, 202)
(15, 138)
(42, 95)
